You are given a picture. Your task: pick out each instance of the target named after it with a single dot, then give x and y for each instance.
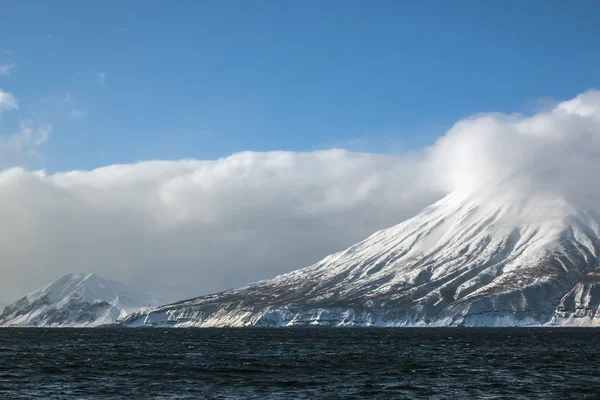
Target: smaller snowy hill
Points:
(76, 300)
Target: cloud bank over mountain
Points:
(185, 228)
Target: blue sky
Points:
(121, 82)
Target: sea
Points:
(302, 363)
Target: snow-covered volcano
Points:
(76, 300)
(465, 260)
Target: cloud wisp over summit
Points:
(185, 228)
(555, 152)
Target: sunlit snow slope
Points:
(471, 261)
(75, 300)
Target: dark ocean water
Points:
(412, 363)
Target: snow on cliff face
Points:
(466, 260)
(76, 300)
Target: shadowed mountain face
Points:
(473, 261)
(75, 300)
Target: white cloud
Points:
(555, 152)
(42, 136)
(77, 113)
(5, 69)
(20, 147)
(186, 228)
(101, 77)
(8, 102)
(72, 110)
(7, 64)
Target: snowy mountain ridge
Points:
(465, 260)
(76, 300)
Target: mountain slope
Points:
(462, 261)
(75, 300)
